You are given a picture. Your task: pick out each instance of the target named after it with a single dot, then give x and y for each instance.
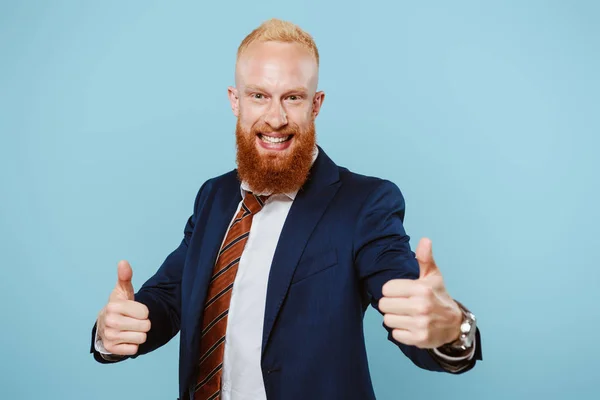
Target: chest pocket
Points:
(315, 264)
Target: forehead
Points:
(277, 65)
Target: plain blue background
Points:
(486, 115)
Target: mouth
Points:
(274, 138)
(274, 141)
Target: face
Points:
(276, 103)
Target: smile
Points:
(274, 140)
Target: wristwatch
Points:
(468, 328)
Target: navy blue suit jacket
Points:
(342, 240)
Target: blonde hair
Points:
(277, 30)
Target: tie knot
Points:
(254, 203)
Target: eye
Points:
(294, 97)
(257, 96)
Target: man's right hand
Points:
(123, 323)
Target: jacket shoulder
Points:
(226, 178)
(364, 183)
(212, 185)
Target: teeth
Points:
(269, 139)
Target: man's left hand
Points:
(421, 312)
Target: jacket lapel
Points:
(226, 201)
(306, 211)
(211, 229)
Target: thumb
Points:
(427, 265)
(124, 289)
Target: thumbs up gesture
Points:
(421, 312)
(123, 323)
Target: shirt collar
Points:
(244, 187)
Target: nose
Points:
(276, 116)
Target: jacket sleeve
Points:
(382, 252)
(161, 293)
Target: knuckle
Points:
(425, 308)
(423, 322)
(146, 312)
(109, 334)
(113, 307)
(111, 321)
(427, 291)
(143, 337)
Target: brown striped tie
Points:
(216, 307)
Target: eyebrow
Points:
(299, 89)
(250, 88)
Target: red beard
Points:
(275, 173)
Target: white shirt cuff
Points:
(456, 359)
(100, 346)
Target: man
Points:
(282, 256)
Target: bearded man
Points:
(283, 255)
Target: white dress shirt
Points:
(242, 374)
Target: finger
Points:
(122, 349)
(403, 322)
(402, 288)
(128, 308)
(123, 323)
(406, 337)
(124, 276)
(114, 337)
(398, 306)
(424, 254)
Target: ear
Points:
(234, 100)
(317, 103)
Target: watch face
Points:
(465, 327)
